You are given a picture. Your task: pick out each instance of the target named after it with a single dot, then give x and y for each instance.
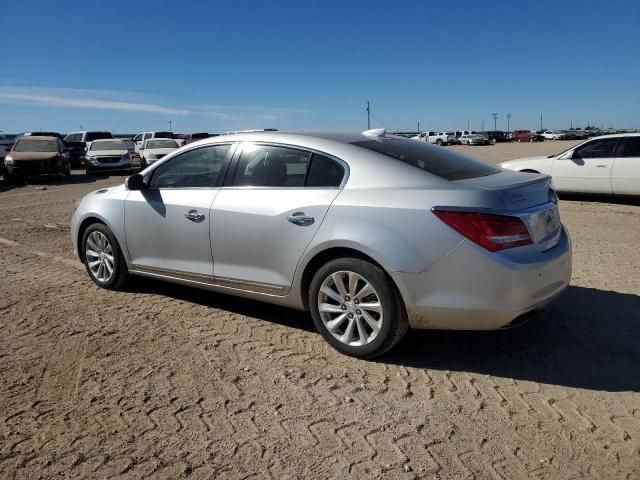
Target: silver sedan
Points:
(371, 233)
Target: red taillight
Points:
(491, 231)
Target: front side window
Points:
(271, 166)
(198, 168)
(602, 148)
(630, 147)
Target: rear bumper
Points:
(472, 289)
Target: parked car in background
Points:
(187, 138)
(555, 135)
(131, 147)
(79, 142)
(602, 165)
(577, 134)
(371, 232)
(41, 134)
(107, 154)
(473, 139)
(441, 138)
(141, 137)
(495, 136)
(527, 136)
(33, 156)
(156, 148)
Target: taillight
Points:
(491, 231)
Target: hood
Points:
(107, 153)
(17, 156)
(523, 162)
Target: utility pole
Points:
(81, 128)
(418, 128)
(495, 120)
(368, 116)
(467, 125)
(541, 121)
(571, 124)
(482, 127)
(508, 123)
(170, 126)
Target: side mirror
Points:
(136, 182)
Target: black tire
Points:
(493, 141)
(120, 273)
(11, 178)
(88, 170)
(395, 322)
(439, 142)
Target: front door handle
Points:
(299, 218)
(601, 166)
(194, 216)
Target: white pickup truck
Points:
(441, 138)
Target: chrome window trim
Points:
(238, 152)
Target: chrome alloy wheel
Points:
(99, 256)
(350, 308)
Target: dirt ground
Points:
(166, 382)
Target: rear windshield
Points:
(113, 145)
(163, 135)
(91, 136)
(162, 143)
(435, 160)
(24, 145)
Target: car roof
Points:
(618, 135)
(97, 140)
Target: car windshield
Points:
(108, 145)
(24, 145)
(162, 144)
(163, 135)
(437, 161)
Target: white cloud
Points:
(135, 102)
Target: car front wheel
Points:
(356, 308)
(103, 257)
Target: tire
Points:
(492, 141)
(389, 316)
(439, 142)
(12, 179)
(88, 170)
(108, 252)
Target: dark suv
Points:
(496, 136)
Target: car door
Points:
(167, 225)
(265, 216)
(625, 176)
(587, 169)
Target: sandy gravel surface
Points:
(163, 381)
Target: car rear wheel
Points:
(439, 142)
(103, 257)
(356, 308)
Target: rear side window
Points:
(630, 147)
(324, 172)
(436, 161)
(271, 166)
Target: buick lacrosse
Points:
(370, 232)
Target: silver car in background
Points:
(371, 232)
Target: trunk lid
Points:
(517, 190)
(530, 197)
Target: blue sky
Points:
(214, 66)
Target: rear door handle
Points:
(299, 218)
(601, 166)
(194, 216)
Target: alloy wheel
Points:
(350, 308)
(99, 256)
